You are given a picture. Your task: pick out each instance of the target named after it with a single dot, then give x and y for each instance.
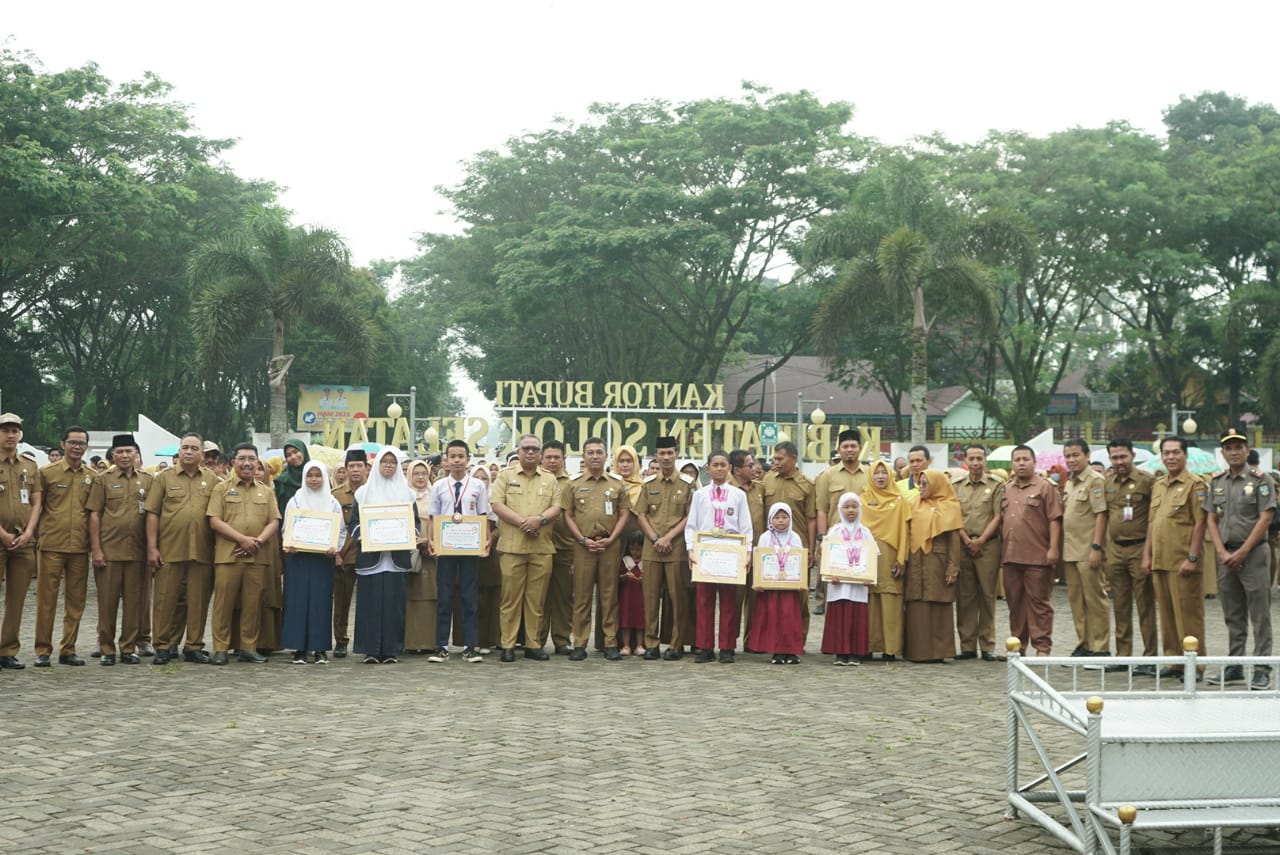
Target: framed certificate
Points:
(311, 531)
(387, 528)
(835, 566)
(720, 558)
(772, 574)
(465, 535)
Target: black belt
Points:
(1234, 547)
(1129, 542)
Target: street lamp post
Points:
(818, 417)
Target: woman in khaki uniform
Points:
(885, 512)
(934, 563)
(420, 589)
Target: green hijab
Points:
(289, 481)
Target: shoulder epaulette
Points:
(688, 479)
(649, 478)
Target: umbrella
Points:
(1199, 461)
(167, 451)
(1103, 456)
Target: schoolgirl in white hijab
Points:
(845, 633)
(778, 620)
(380, 576)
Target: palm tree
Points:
(270, 271)
(896, 242)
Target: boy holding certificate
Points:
(717, 509)
(456, 496)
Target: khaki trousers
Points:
(660, 576)
(1090, 612)
(16, 571)
(592, 569)
(119, 584)
(237, 586)
(976, 599)
(1180, 600)
(1028, 590)
(524, 591)
(344, 587)
(54, 566)
(182, 594)
(1129, 587)
(557, 611)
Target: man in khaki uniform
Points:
(244, 516)
(848, 476)
(180, 553)
(979, 495)
(344, 576)
(596, 512)
(1030, 544)
(786, 483)
(1128, 492)
(64, 548)
(742, 466)
(557, 613)
(1084, 529)
(663, 511)
(20, 502)
(1175, 537)
(118, 549)
(526, 499)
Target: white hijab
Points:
(315, 500)
(380, 490)
(787, 538)
(854, 531)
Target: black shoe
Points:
(107, 659)
(11, 663)
(508, 654)
(888, 657)
(565, 650)
(219, 658)
(299, 657)
(778, 659)
(653, 654)
(252, 656)
(199, 657)
(130, 659)
(817, 610)
(70, 659)
(578, 655)
(967, 654)
(1080, 650)
(1115, 669)
(1144, 670)
(988, 656)
(672, 654)
(793, 659)
(704, 656)
(536, 653)
(727, 657)
(42, 661)
(340, 652)
(1169, 672)
(174, 651)
(96, 654)
(162, 658)
(612, 654)
(1231, 675)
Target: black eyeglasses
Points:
(76, 443)
(530, 448)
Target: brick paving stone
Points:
(533, 757)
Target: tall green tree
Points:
(637, 244)
(896, 242)
(273, 274)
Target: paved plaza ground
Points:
(529, 757)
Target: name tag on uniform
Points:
(117, 486)
(1128, 513)
(608, 508)
(24, 496)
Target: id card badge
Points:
(608, 508)
(142, 508)
(24, 496)
(1128, 513)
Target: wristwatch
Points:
(1096, 547)
(1193, 558)
(544, 519)
(653, 539)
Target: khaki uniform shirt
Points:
(1028, 510)
(528, 495)
(665, 501)
(978, 502)
(596, 502)
(19, 477)
(1134, 494)
(347, 498)
(1239, 502)
(831, 485)
(1082, 501)
(64, 522)
(181, 502)
(798, 493)
(560, 534)
(1177, 505)
(247, 508)
(755, 504)
(122, 503)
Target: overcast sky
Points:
(360, 110)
